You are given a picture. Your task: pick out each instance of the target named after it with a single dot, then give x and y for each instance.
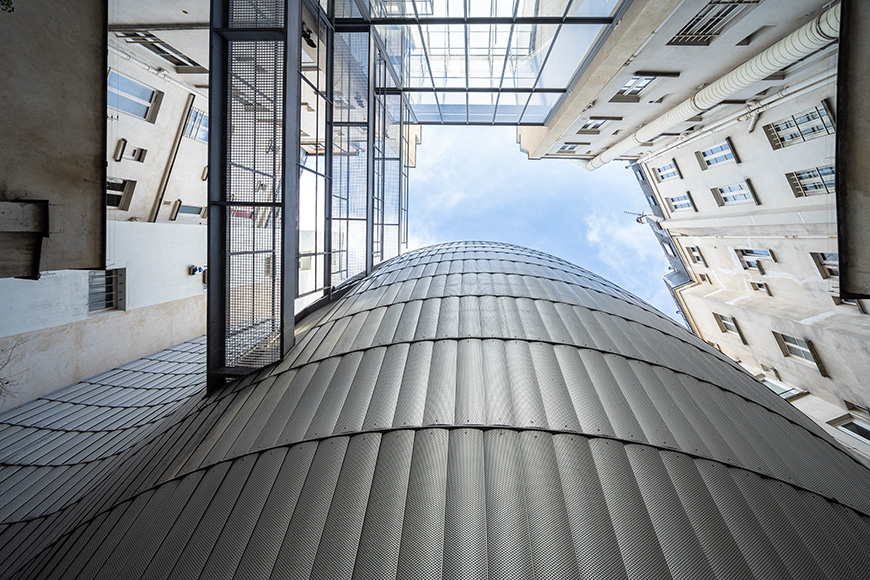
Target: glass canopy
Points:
(484, 61)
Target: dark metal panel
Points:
(230, 546)
(305, 532)
(337, 552)
(200, 545)
(794, 551)
(315, 390)
(270, 531)
(276, 415)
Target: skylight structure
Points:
(488, 62)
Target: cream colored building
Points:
(137, 294)
(729, 110)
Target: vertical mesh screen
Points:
(256, 14)
(253, 235)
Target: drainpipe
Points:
(799, 44)
(752, 112)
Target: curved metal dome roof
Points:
(475, 410)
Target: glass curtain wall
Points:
(315, 158)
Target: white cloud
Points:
(420, 236)
(632, 255)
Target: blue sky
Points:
(474, 183)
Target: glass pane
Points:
(307, 211)
(539, 108)
(445, 47)
(569, 50)
(481, 107)
(497, 8)
(122, 103)
(125, 85)
(529, 46)
(510, 107)
(593, 7)
(858, 429)
(425, 107)
(453, 108)
(487, 48)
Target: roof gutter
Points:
(801, 43)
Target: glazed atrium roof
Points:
(494, 62)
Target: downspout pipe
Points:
(801, 43)
(751, 112)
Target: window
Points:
(721, 153)
(785, 391)
(119, 192)
(631, 90)
(196, 126)
(695, 255)
(710, 22)
(751, 258)
(161, 49)
(179, 208)
(800, 349)
(770, 378)
(804, 126)
(106, 290)
(734, 194)
(704, 278)
(760, 287)
(827, 263)
(668, 171)
(132, 97)
(680, 203)
(815, 181)
(594, 124)
(855, 427)
(728, 324)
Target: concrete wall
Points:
(52, 119)
(60, 342)
(45, 360)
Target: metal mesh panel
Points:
(256, 14)
(253, 235)
(254, 271)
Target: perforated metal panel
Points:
(472, 410)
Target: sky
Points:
(474, 183)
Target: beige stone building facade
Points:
(729, 112)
